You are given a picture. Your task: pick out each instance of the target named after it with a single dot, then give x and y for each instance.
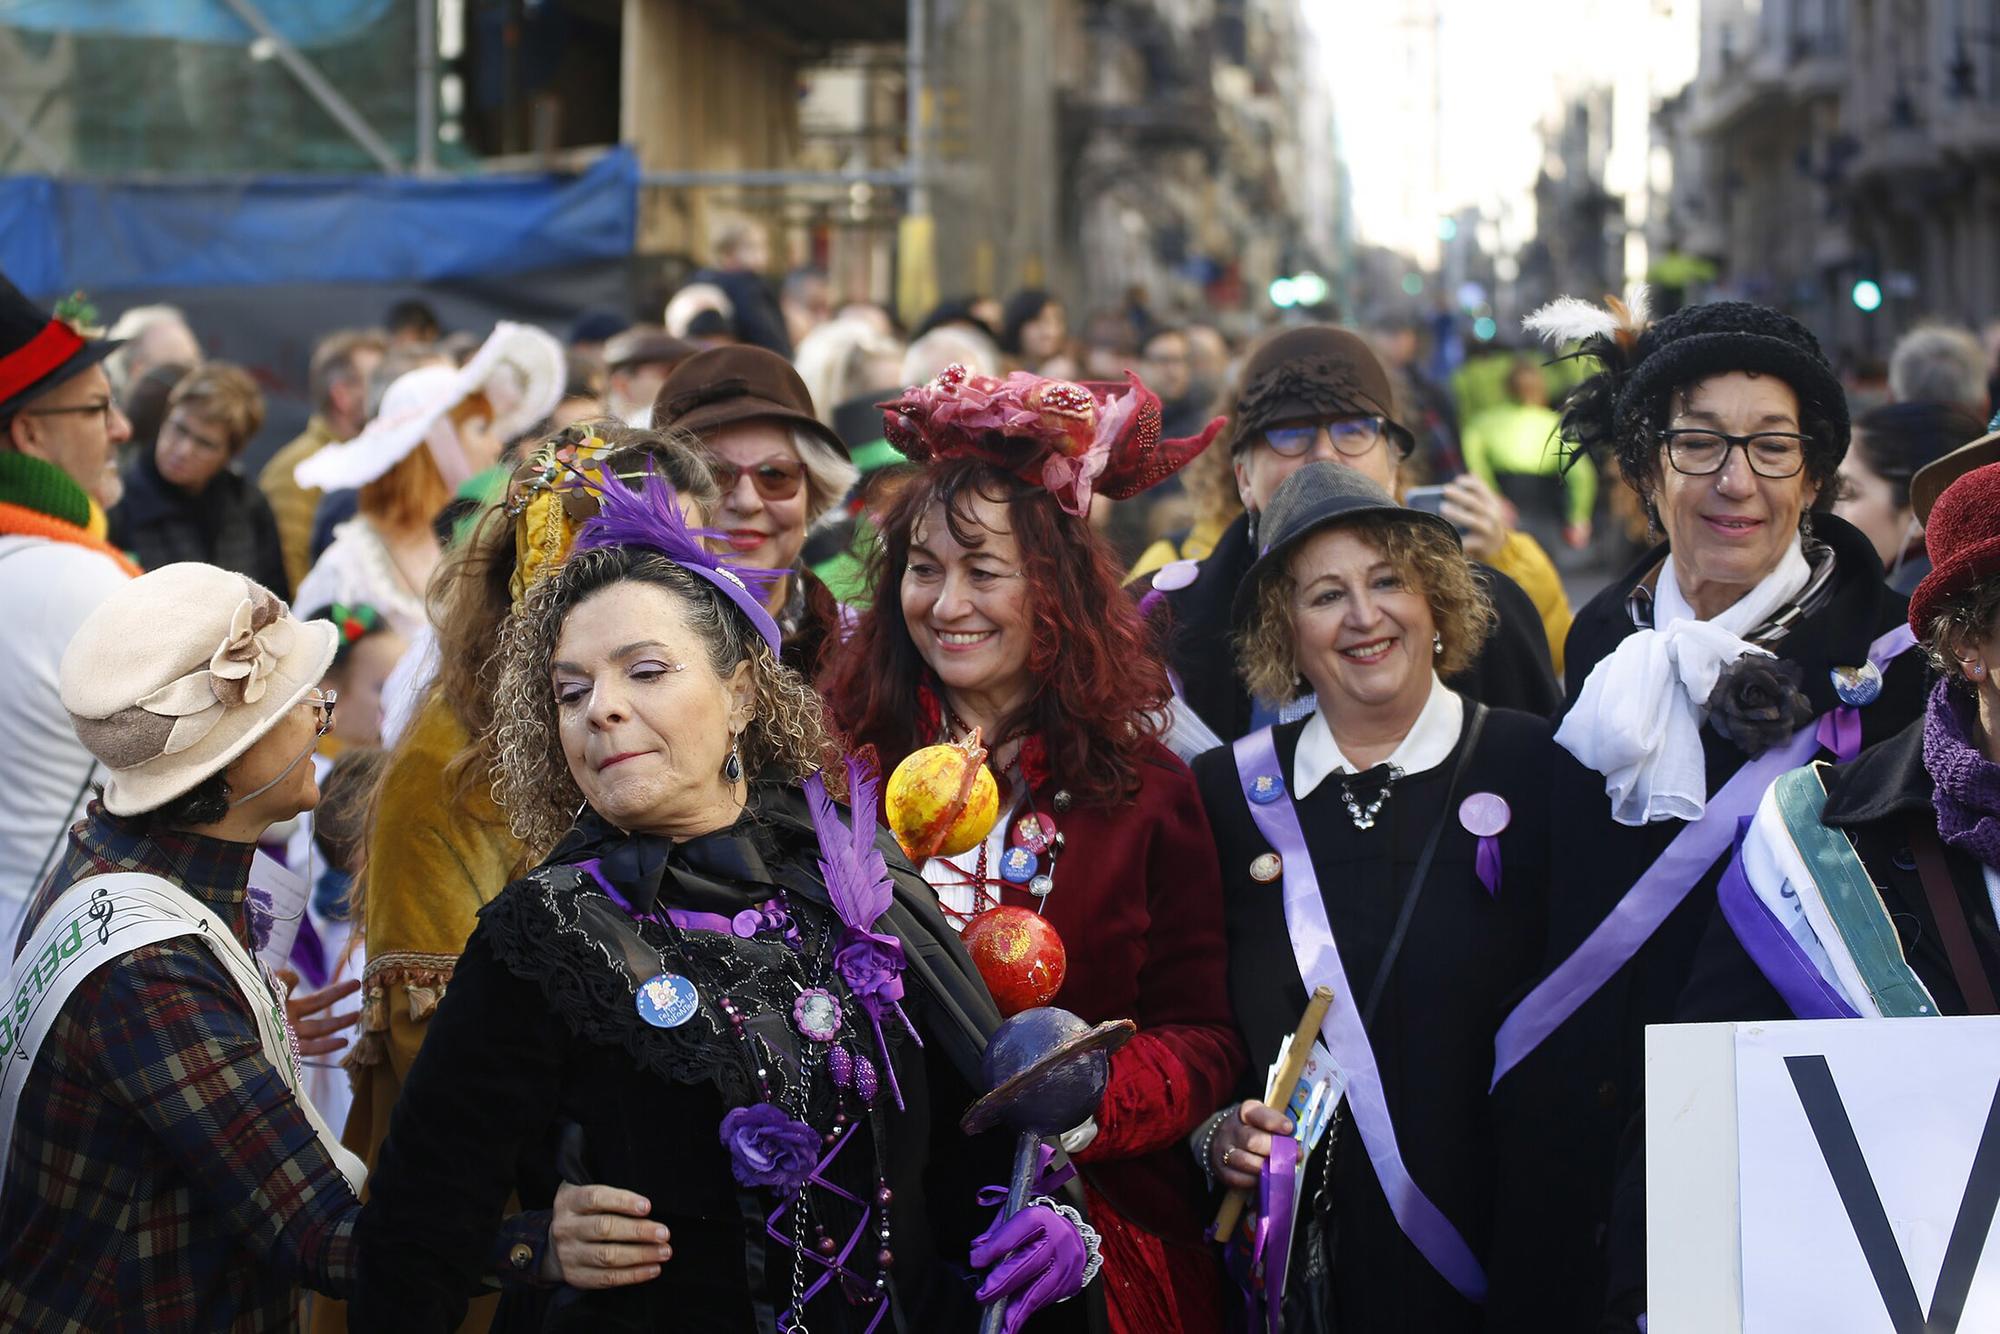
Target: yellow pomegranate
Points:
(942, 800)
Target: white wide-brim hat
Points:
(179, 672)
(519, 368)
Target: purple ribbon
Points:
(1660, 889)
(309, 954)
(1318, 959)
(1772, 948)
(1486, 863)
(835, 1264)
(1276, 1189)
(685, 918)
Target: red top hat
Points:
(1963, 538)
(38, 353)
(1071, 439)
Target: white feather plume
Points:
(1638, 307)
(1570, 319)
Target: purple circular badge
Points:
(1484, 814)
(1176, 575)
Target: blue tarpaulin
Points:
(305, 23)
(59, 235)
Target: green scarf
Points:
(33, 484)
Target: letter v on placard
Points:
(1827, 1114)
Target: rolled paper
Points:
(1280, 1090)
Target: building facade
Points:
(1835, 154)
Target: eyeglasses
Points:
(103, 407)
(322, 702)
(775, 479)
(1772, 454)
(201, 442)
(1352, 436)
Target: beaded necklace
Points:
(830, 1041)
(1034, 842)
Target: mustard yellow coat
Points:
(434, 858)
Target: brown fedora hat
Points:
(739, 383)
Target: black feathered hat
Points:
(1645, 361)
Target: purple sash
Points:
(1318, 959)
(1660, 889)
(1773, 950)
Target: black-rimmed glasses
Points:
(1772, 454)
(1352, 436)
(102, 408)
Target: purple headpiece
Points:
(650, 517)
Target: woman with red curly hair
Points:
(997, 609)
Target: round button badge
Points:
(1484, 814)
(667, 1000)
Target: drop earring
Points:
(732, 768)
(1437, 644)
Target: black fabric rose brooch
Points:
(1757, 703)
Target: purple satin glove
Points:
(1035, 1259)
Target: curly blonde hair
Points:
(787, 738)
(1461, 608)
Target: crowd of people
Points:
(448, 872)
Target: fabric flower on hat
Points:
(238, 667)
(259, 636)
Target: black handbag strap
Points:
(1952, 928)
(1402, 930)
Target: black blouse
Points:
(1467, 957)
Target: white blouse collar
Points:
(1426, 745)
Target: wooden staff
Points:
(1288, 1077)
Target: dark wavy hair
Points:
(1099, 687)
(1896, 439)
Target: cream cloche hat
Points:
(181, 671)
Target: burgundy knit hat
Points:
(1963, 539)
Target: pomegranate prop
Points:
(942, 800)
(1019, 955)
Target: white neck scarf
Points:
(1638, 718)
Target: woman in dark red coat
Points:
(997, 609)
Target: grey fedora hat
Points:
(1317, 496)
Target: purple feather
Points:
(857, 877)
(651, 517)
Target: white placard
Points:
(1915, 1098)
(1693, 1260)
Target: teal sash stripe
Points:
(1851, 899)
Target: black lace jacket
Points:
(539, 1068)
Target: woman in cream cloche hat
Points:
(146, 1074)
